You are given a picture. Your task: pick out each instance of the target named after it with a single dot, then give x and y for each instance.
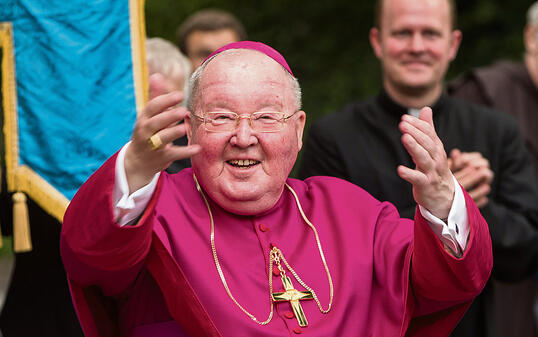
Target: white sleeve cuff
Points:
(129, 207)
(455, 232)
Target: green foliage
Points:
(491, 30)
(6, 251)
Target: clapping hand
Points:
(433, 186)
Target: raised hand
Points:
(473, 172)
(158, 121)
(433, 186)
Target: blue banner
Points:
(76, 64)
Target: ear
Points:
(375, 41)
(530, 39)
(188, 127)
(299, 125)
(457, 36)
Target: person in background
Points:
(511, 87)
(166, 59)
(415, 42)
(508, 86)
(207, 30)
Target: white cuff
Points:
(129, 207)
(455, 232)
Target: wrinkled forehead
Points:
(247, 71)
(243, 78)
(249, 63)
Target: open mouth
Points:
(243, 163)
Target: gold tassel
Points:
(22, 241)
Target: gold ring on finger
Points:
(155, 142)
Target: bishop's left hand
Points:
(433, 186)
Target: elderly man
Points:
(233, 247)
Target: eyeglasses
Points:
(226, 121)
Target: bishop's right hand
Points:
(159, 121)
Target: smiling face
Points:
(415, 44)
(244, 171)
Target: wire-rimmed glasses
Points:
(261, 121)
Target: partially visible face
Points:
(531, 51)
(200, 44)
(244, 170)
(415, 44)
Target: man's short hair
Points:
(208, 20)
(165, 58)
(532, 15)
(378, 8)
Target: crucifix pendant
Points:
(293, 296)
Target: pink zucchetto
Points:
(261, 47)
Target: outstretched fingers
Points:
(165, 120)
(162, 103)
(151, 149)
(182, 152)
(432, 182)
(417, 145)
(414, 177)
(421, 141)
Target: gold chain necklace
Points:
(274, 256)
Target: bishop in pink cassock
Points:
(232, 247)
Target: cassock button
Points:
(263, 228)
(289, 315)
(297, 331)
(276, 272)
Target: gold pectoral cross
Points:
(293, 296)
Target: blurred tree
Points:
(326, 41)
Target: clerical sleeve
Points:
(443, 286)
(453, 232)
(129, 207)
(94, 248)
